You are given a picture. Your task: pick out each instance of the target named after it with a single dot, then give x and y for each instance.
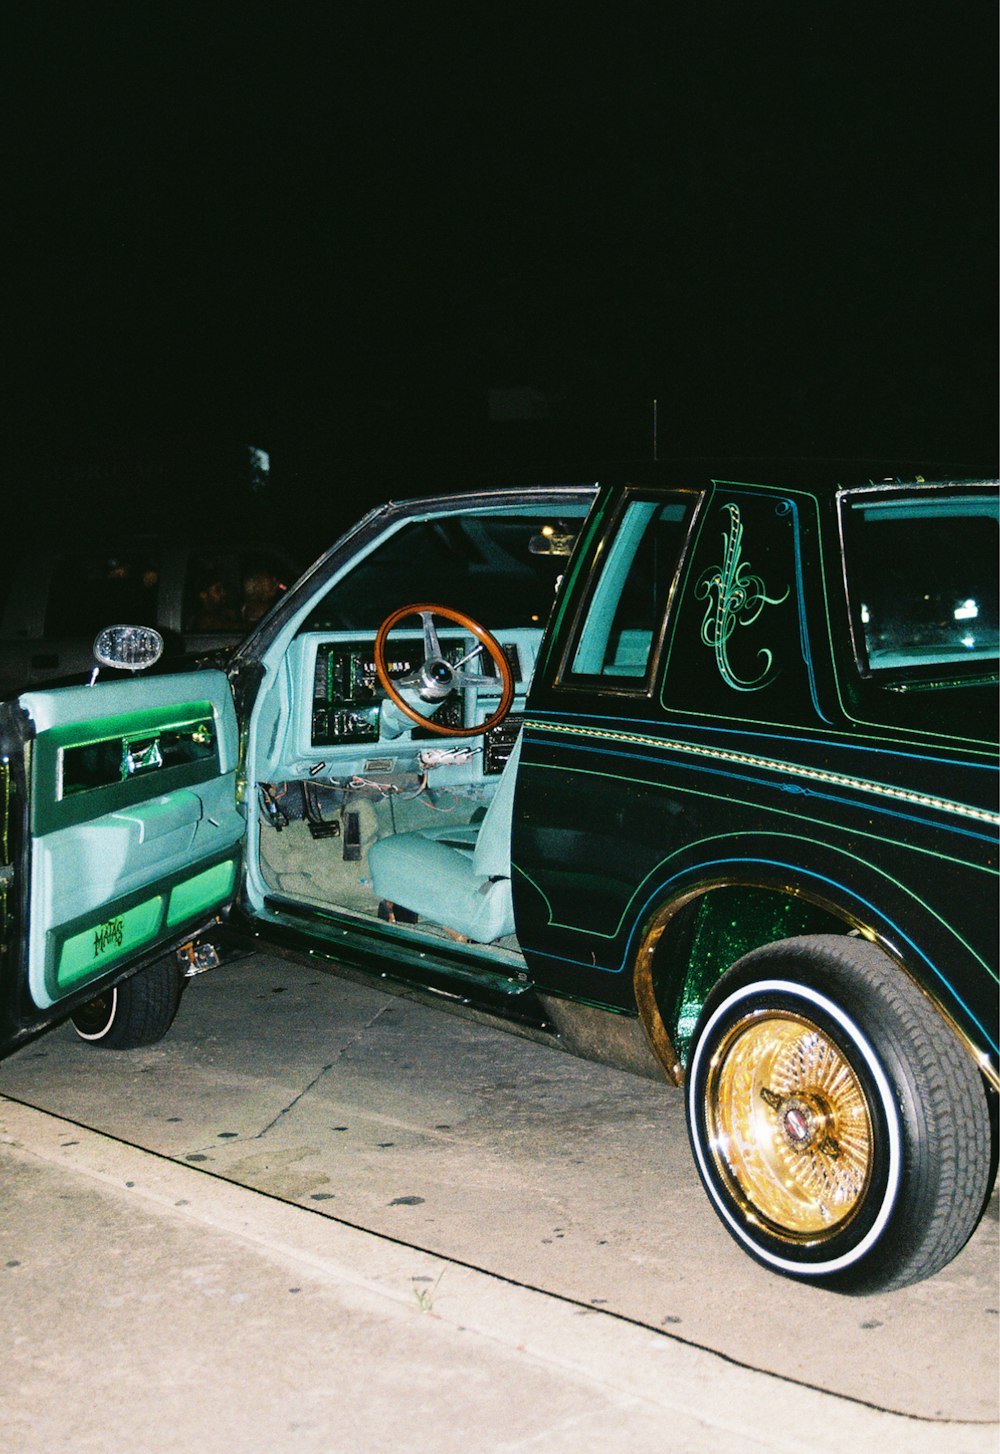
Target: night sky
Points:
(404, 246)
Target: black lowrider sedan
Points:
(693, 779)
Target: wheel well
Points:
(686, 947)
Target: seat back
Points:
(491, 858)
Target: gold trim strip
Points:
(650, 1019)
(770, 764)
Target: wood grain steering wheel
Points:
(436, 678)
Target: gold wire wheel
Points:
(789, 1126)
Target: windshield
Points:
(923, 579)
(496, 568)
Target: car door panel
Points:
(134, 824)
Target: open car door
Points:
(121, 834)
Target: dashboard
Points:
(346, 696)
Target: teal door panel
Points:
(135, 828)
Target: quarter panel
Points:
(742, 766)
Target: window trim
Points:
(897, 678)
(634, 688)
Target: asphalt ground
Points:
(497, 1242)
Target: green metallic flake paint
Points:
(201, 893)
(725, 924)
(83, 956)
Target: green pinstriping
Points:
(516, 868)
(882, 728)
(769, 764)
(723, 837)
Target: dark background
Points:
(406, 248)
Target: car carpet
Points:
(314, 871)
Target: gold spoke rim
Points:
(789, 1126)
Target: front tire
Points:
(840, 1129)
(138, 1011)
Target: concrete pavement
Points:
(571, 1278)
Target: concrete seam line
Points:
(99, 1158)
(205, 1197)
(213, 1201)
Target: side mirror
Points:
(127, 648)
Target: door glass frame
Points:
(606, 575)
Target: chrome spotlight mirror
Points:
(127, 648)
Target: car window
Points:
(630, 594)
(230, 590)
(923, 581)
(96, 589)
(499, 569)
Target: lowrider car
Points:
(697, 778)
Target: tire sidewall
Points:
(738, 995)
(105, 1030)
(140, 1011)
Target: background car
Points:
(54, 600)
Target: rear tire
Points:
(139, 1011)
(841, 1130)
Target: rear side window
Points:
(622, 620)
(923, 581)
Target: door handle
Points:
(140, 757)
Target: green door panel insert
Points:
(88, 946)
(85, 955)
(83, 770)
(202, 892)
(115, 759)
